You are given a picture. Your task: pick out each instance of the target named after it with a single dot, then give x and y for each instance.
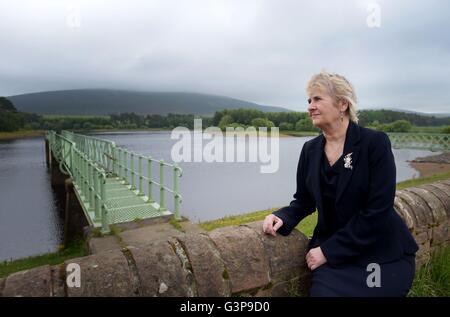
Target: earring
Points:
(342, 116)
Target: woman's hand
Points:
(315, 258)
(271, 224)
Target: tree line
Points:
(385, 120)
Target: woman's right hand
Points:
(271, 224)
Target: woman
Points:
(360, 246)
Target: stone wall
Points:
(426, 211)
(238, 260)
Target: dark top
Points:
(329, 178)
(369, 230)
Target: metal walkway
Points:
(113, 184)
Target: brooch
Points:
(348, 161)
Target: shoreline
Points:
(432, 164)
(23, 134)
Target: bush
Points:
(400, 126)
(396, 126)
(304, 125)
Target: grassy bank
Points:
(433, 279)
(306, 226)
(21, 134)
(76, 249)
(423, 180)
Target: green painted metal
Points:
(421, 141)
(104, 177)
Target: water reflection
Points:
(30, 221)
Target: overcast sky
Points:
(396, 53)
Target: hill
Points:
(108, 101)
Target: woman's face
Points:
(322, 108)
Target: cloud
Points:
(261, 51)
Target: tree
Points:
(261, 123)
(10, 119)
(225, 121)
(7, 105)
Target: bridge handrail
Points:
(101, 151)
(88, 160)
(130, 174)
(87, 177)
(427, 141)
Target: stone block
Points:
(209, 271)
(160, 271)
(35, 282)
(105, 274)
(435, 205)
(287, 254)
(245, 259)
(418, 206)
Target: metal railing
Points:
(88, 179)
(90, 161)
(422, 141)
(135, 169)
(99, 150)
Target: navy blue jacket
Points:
(369, 230)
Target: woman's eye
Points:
(309, 100)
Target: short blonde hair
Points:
(339, 88)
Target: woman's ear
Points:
(344, 105)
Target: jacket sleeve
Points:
(367, 225)
(303, 203)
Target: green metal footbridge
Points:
(114, 185)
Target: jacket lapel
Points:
(350, 146)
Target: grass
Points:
(433, 279)
(306, 226)
(174, 223)
(427, 129)
(77, 248)
(20, 134)
(423, 180)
